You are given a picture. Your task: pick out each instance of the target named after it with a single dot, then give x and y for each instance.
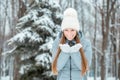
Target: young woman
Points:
(71, 52)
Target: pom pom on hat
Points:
(70, 19)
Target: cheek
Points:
(66, 33)
(74, 33)
(73, 36)
(70, 35)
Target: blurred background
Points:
(29, 27)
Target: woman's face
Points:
(69, 33)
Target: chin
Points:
(70, 39)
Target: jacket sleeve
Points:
(63, 57)
(88, 51)
(87, 47)
(55, 46)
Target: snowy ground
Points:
(109, 78)
(90, 78)
(5, 78)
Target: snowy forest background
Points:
(28, 28)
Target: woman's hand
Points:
(66, 48)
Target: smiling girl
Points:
(71, 52)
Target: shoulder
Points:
(57, 39)
(55, 45)
(83, 39)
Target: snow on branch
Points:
(97, 50)
(25, 34)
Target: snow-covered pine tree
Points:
(36, 31)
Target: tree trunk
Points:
(105, 33)
(119, 63)
(106, 14)
(82, 16)
(16, 68)
(113, 39)
(117, 54)
(118, 21)
(22, 9)
(95, 53)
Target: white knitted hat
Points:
(70, 19)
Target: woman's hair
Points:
(84, 62)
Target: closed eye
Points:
(72, 30)
(65, 30)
